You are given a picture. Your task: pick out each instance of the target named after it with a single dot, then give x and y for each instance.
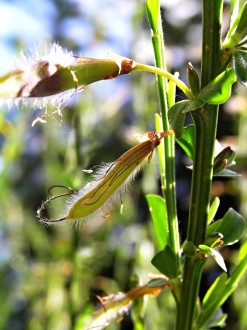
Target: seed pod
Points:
(109, 183)
(57, 71)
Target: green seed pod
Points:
(110, 182)
(58, 71)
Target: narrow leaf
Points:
(219, 259)
(224, 158)
(153, 9)
(235, 17)
(215, 254)
(194, 105)
(157, 208)
(215, 290)
(238, 28)
(217, 300)
(219, 89)
(227, 174)
(171, 91)
(240, 66)
(193, 79)
(218, 320)
(186, 141)
(234, 12)
(177, 117)
(156, 282)
(213, 209)
(241, 28)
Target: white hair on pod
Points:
(51, 57)
(108, 185)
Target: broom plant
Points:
(47, 79)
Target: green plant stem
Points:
(168, 172)
(205, 131)
(75, 275)
(166, 74)
(205, 121)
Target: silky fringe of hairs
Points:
(106, 207)
(54, 54)
(53, 102)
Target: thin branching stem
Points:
(168, 172)
(166, 74)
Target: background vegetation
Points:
(50, 276)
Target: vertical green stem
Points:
(205, 121)
(73, 300)
(168, 179)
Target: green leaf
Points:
(231, 226)
(189, 249)
(193, 79)
(213, 209)
(234, 11)
(220, 292)
(177, 112)
(214, 240)
(233, 4)
(205, 249)
(215, 290)
(215, 254)
(157, 208)
(219, 259)
(243, 250)
(165, 262)
(153, 9)
(171, 90)
(224, 158)
(240, 66)
(217, 320)
(222, 161)
(227, 174)
(238, 27)
(157, 282)
(177, 117)
(219, 89)
(194, 105)
(241, 29)
(186, 141)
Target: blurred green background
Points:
(50, 276)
